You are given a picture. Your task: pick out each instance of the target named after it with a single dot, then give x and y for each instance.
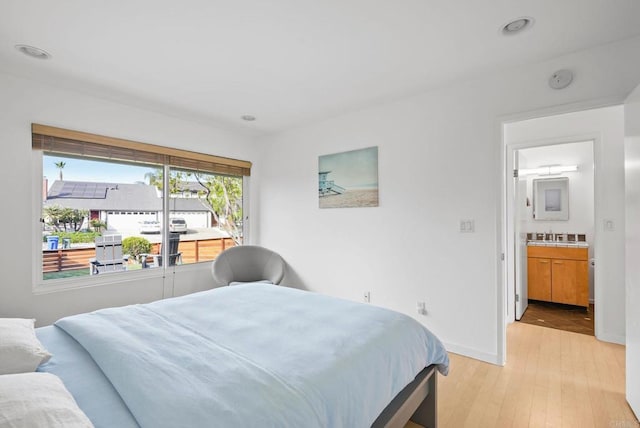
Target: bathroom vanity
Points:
(558, 274)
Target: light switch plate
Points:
(467, 226)
(609, 225)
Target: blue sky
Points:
(84, 170)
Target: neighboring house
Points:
(123, 206)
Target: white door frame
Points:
(511, 149)
(632, 272)
(502, 236)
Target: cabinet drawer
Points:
(566, 253)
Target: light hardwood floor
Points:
(552, 378)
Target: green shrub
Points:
(135, 245)
(98, 225)
(75, 237)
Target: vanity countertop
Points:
(557, 244)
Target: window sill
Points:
(56, 285)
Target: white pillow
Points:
(20, 349)
(38, 400)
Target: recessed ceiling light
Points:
(248, 117)
(517, 26)
(33, 52)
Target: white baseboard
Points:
(611, 338)
(473, 353)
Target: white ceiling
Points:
(289, 61)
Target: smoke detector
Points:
(561, 79)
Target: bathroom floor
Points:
(562, 317)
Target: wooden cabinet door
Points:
(570, 283)
(539, 279)
(582, 282)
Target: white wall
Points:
(606, 125)
(632, 268)
(440, 160)
(580, 184)
(23, 102)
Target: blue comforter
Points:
(256, 355)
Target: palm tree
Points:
(60, 165)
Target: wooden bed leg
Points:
(427, 413)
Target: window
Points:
(104, 202)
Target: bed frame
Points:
(416, 402)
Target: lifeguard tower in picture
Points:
(328, 187)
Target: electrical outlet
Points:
(422, 308)
(367, 296)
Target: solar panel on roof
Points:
(83, 190)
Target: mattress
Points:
(249, 355)
(83, 378)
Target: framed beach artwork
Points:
(348, 179)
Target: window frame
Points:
(41, 286)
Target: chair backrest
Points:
(247, 263)
(174, 254)
(109, 253)
(109, 247)
(174, 243)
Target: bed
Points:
(248, 355)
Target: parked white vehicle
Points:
(178, 225)
(150, 226)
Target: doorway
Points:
(554, 234)
(603, 129)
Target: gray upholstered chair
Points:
(247, 263)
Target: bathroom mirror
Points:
(551, 199)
